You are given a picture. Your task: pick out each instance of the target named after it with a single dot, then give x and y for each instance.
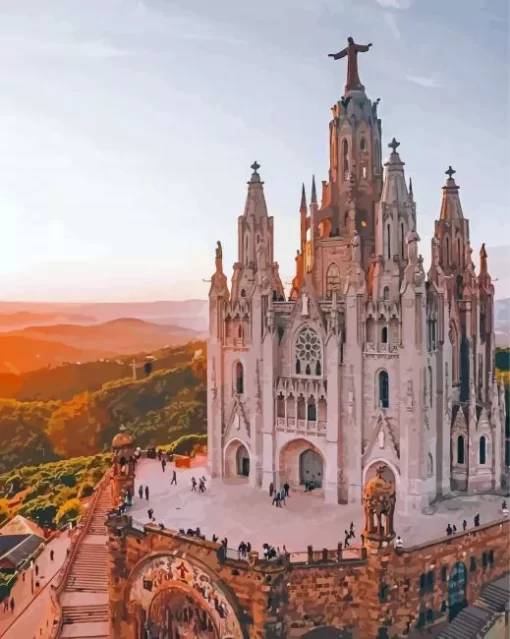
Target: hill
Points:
(25, 318)
(159, 408)
(191, 314)
(120, 336)
(20, 353)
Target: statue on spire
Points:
(351, 51)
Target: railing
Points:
(57, 589)
(301, 425)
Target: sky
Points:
(129, 127)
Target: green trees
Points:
(70, 511)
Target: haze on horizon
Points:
(129, 128)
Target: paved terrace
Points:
(241, 513)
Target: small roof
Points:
(20, 525)
(17, 553)
(122, 440)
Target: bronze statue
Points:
(219, 251)
(351, 51)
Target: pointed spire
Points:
(394, 185)
(483, 260)
(303, 206)
(411, 194)
(451, 208)
(314, 191)
(255, 201)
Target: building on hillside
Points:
(370, 359)
(17, 550)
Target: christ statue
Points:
(351, 51)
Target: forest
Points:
(75, 410)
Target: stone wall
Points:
(381, 594)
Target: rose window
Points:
(308, 353)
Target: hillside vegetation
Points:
(157, 409)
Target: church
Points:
(369, 360)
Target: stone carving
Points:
(219, 251)
(304, 305)
(379, 500)
(356, 248)
(380, 439)
(157, 576)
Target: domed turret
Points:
(122, 440)
(379, 502)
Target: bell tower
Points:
(355, 171)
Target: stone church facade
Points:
(369, 360)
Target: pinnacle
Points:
(303, 199)
(314, 191)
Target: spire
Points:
(483, 261)
(255, 201)
(314, 191)
(394, 186)
(451, 208)
(303, 206)
(411, 194)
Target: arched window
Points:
(243, 293)
(402, 240)
(431, 391)
(246, 250)
(280, 406)
(239, 378)
(386, 293)
(447, 251)
(301, 407)
(460, 449)
(308, 352)
(384, 335)
(459, 254)
(332, 280)
(311, 411)
(362, 144)
(388, 240)
(240, 331)
(384, 390)
(482, 456)
(345, 158)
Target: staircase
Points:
(85, 597)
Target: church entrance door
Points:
(311, 468)
(243, 461)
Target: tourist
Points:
(351, 530)
(362, 536)
(215, 539)
(163, 465)
(449, 530)
(147, 493)
(464, 525)
(6, 604)
(265, 550)
(241, 550)
(36, 570)
(150, 513)
(476, 520)
(454, 529)
(282, 496)
(140, 491)
(271, 489)
(347, 537)
(12, 604)
(277, 500)
(399, 543)
(248, 547)
(504, 509)
(201, 485)
(52, 555)
(174, 478)
(286, 488)
(193, 485)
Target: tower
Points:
(123, 472)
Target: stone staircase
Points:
(85, 597)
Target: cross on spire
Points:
(394, 145)
(255, 166)
(450, 172)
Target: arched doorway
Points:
(176, 614)
(371, 471)
(237, 459)
(302, 465)
(311, 468)
(457, 589)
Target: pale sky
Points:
(129, 126)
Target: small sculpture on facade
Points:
(304, 305)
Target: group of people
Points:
(201, 485)
(279, 495)
(452, 530)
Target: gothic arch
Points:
(176, 570)
(332, 279)
(238, 377)
(382, 389)
(393, 473)
(234, 452)
(290, 460)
